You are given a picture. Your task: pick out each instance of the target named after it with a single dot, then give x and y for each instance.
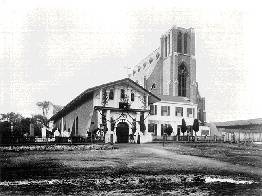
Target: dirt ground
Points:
(134, 162)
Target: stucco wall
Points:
(136, 104)
(166, 75)
(156, 78)
(172, 119)
(84, 113)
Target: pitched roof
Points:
(257, 121)
(174, 98)
(89, 92)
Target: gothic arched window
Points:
(185, 43)
(165, 46)
(182, 77)
(77, 125)
(179, 42)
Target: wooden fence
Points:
(188, 138)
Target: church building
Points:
(161, 91)
(169, 72)
(113, 111)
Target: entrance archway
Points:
(122, 132)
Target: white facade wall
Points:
(136, 104)
(166, 76)
(172, 119)
(84, 113)
(87, 112)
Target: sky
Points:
(53, 50)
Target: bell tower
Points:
(177, 49)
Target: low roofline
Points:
(239, 123)
(82, 97)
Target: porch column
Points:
(99, 118)
(108, 125)
(146, 121)
(138, 122)
(62, 126)
(174, 126)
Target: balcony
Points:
(124, 105)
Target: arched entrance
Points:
(122, 132)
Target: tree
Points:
(18, 127)
(5, 132)
(113, 123)
(142, 123)
(40, 119)
(169, 130)
(134, 126)
(44, 106)
(196, 126)
(11, 117)
(14, 119)
(183, 127)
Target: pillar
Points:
(137, 125)
(108, 125)
(62, 125)
(99, 118)
(146, 121)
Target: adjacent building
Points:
(241, 130)
(169, 72)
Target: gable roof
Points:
(89, 92)
(174, 98)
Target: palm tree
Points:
(44, 105)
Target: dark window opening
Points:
(111, 94)
(122, 93)
(123, 105)
(77, 125)
(185, 43)
(179, 42)
(165, 46)
(64, 126)
(182, 78)
(153, 109)
(165, 110)
(142, 122)
(169, 43)
(132, 97)
(152, 128)
(190, 112)
(179, 111)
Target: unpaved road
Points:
(132, 169)
(135, 157)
